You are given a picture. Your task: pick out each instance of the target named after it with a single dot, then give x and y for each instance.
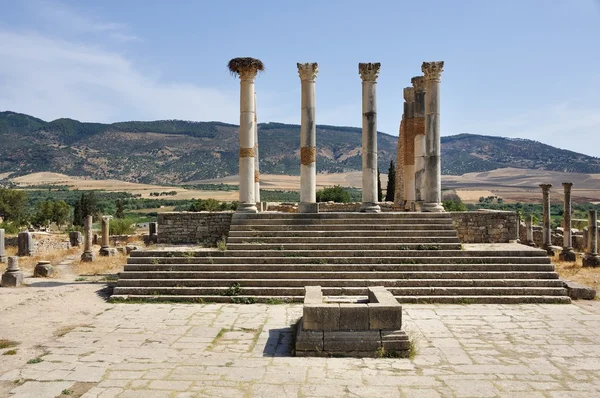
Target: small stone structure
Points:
(2, 247)
(88, 255)
(43, 269)
(75, 238)
(26, 244)
(105, 249)
(193, 228)
(367, 329)
(13, 277)
(592, 259)
(153, 232)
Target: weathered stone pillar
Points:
(547, 221)
(399, 187)
(256, 161)
(529, 230)
(88, 254)
(246, 69)
(592, 259)
(75, 238)
(567, 253)
(418, 139)
(408, 147)
(13, 277)
(26, 244)
(2, 247)
(432, 177)
(369, 73)
(105, 244)
(153, 232)
(308, 139)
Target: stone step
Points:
(509, 269)
(299, 299)
(281, 259)
(344, 227)
(378, 253)
(339, 240)
(414, 234)
(380, 247)
(344, 291)
(343, 221)
(322, 274)
(177, 253)
(339, 215)
(339, 283)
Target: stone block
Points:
(308, 340)
(379, 294)
(12, 279)
(347, 341)
(321, 316)
(26, 244)
(382, 316)
(313, 295)
(354, 317)
(394, 340)
(579, 292)
(75, 238)
(88, 256)
(591, 261)
(43, 269)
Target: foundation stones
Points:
(13, 277)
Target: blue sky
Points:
(527, 68)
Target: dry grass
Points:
(27, 263)
(575, 272)
(102, 265)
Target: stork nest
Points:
(237, 65)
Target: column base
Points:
(12, 279)
(307, 207)
(432, 208)
(591, 260)
(531, 243)
(247, 208)
(87, 257)
(549, 250)
(370, 207)
(107, 251)
(567, 254)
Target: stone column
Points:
(256, 162)
(418, 139)
(591, 258)
(567, 253)
(246, 69)
(369, 73)
(546, 205)
(13, 277)
(26, 244)
(88, 254)
(308, 139)
(529, 229)
(105, 243)
(432, 177)
(2, 248)
(399, 186)
(408, 149)
(153, 232)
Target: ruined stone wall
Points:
(42, 242)
(193, 228)
(486, 226)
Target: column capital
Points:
(246, 68)
(432, 70)
(546, 187)
(369, 71)
(409, 94)
(308, 71)
(418, 83)
(567, 186)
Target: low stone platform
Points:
(367, 328)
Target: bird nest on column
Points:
(236, 65)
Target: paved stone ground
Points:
(226, 350)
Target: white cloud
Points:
(52, 78)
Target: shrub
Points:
(10, 228)
(122, 226)
(333, 194)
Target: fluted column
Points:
(308, 139)
(591, 258)
(88, 254)
(409, 158)
(567, 253)
(418, 139)
(246, 69)
(369, 73)
(432, 182)
(546, 218)
(256, 162)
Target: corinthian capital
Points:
(308, 71)
(432, 70)
(369, 71)
(418, 83)
(409, 94)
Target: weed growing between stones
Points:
(66, 392)
(35, 360)
(4, 343)
(234, 290)
(222, 244)
(243, 300)
(428, 247)
(10, 352)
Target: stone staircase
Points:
(270, 257)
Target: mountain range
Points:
(175, 151)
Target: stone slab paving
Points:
(228, 350)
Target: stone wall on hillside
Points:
(486, 226)
(193, 228)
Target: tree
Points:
(333, 194)
(87, 205)
(120, 209)
(379, 191)
(391, 184)
(13, 206)
(50, 211)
